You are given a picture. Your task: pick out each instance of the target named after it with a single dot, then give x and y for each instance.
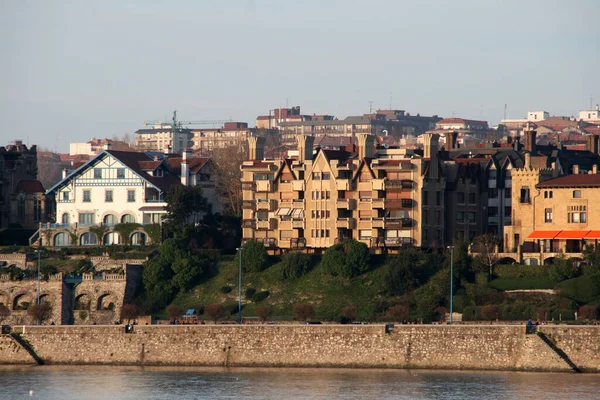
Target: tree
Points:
(254, 256)
(350, 313)
(563, 269)
(401, 275)
(589, 312)
(399, 312)
(348, 259)
(129, 312)
(4, 312)
(40, 312)
(491, 312)
(173, 312)
(228, 162)
(486, 247)
(303, 312)
(215, 312)
(591, 254)
(294, 265)
(263, 313)
(185, 205)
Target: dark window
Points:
(108, 196)
(130, 196)
(120, 173)
(461, 197)
(548, 215)
(525, 195)
(472, 198)
(87, 196)
(97, 173)
(576, 194)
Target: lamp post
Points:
(241, 249)
(451, 278)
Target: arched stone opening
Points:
(88, 239)
(127, 219)
(112, 238)
(21, 301)
(139, 239)
(62, 239)
(106, 301)
(82, 302)
(507, 260)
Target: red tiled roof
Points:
(575, 180)
(460, 121)
(30, 186)
(149, 165)
(195, 163)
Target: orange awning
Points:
(543, 234)
(572, 234)
(593, 235)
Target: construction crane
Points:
(176, 124)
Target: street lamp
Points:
(241, 249)
(451, 278)
(39, 253)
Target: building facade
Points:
(163, 136)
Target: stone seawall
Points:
(366, 346)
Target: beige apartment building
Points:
(162, 137)
(380, 197)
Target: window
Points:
(425, 218)
(65, 219)
(86, 218)
(108, 196)
(365, 233)
(438, 198)
(37, 210)
(425, 234)
(525, 195)
(87, 196)
(460, 197)
(425, 198)
(472, 198)
(438, 217)
(507, 193)
(21, 209)
(316, 195)
(110, 220)
(65, 196)
(97, 173)
(507, 212)
(365, 194)
(326, 176)
(131, 196)
(127, 219)
(492, 211)
(471, 216)
(550, 194)
(577, 214)
(493, 193)
(548, 215)
(493, 174)
(576, 194)
(460, 216)
(120, 173)
(316, 176)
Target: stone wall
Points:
(12, 352)
(413, 346)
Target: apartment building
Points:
(163, 136)
(118, 187)
(385, 198)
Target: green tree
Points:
(294, 265)
(401, 271)
(592, 255)
(563, 269)
(185, 205)
(254, 257)
(347, 259)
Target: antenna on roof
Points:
(370, 107)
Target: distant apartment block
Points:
(95, 146)
(163, 136)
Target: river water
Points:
(115, 382)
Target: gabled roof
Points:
(149, 165)
(133, 161)
(195, 164)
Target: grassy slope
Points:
(326, 293)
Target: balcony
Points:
(346, 204)
(298, 186)
(343, 184)
(346, 223)
(399, 184)
(378, 222)
(297, 243)
(399, 203)
(398, 223)
(268, 242)
(298, 203)
(378, 184)
(298, 224)
(264, 224)
(378, 203)
(249, 223)
(249, 204)
(265, 205)
(248, 186)
(264, 186)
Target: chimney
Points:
(167, 149)
(591, 143)
(64, 173)
(366, 144)
(451, 139)
(530, 144)
(575, 169)
(106, 146)
(185, 170)
(528, 160)
(256, 148)
(430, 145)
(305, 147)
(594, 169)
(509, 139)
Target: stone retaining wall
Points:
(413, 346)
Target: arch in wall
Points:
(106, 301)
(549, 261)
(44, 298)
(111, 238)
(82, 302)
(88, 239)
(507, 260)
(21, 301)
(110, 220)
(5, 299)
(577, 261)
(531, 261)
(139, 238)
(61, 239)
(127, 218)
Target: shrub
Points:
(583, 289)
(173, 312)
(515, 271)
(129, 312)
(263, 313)
(350, 313)
(214, 311)
(471, 313)
(347, 259)
(294, 265)
(303, 312)
(232, 307)
(401, 271)
(249, 293)
(563, 269)
(563, 315)
(260, 296)
(40, 312)
(226, 289)
(4, 313)
(588, 313)
(254, 256)
(523, 283)
(399, 312)
(490, 312)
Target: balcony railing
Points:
(248, 186)
(391, 242)
(249, 223)
(268, 242)
(249, 204)
(378, 203)
(264, 186)
(298, 224)
(265, 205)
(297, 186)
(297, 243)
(346, 204)
(346, 223)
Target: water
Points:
(114, 382)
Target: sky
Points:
(72, 70)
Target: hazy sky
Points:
(73, 70)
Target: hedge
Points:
(515, 271)
(584, 289)
(563, 315)
(471, 313)
(523, 283)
